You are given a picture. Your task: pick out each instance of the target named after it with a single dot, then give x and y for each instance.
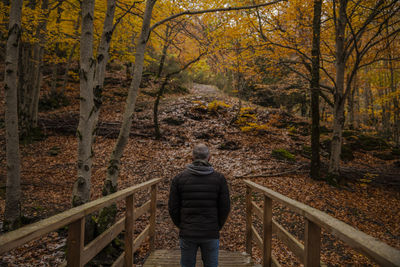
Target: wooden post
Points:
(153, 207)
(267, 239)
(312, 246)
(75, 243)
(248, 221)
(129, 225)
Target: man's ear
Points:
(209, 157)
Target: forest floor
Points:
(49, 171)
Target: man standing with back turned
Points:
(199, 205)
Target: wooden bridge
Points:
(78, 254)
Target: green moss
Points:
(106, 218)
(283, 154)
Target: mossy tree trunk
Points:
(81, 189)
(110, 184)
(12, 212)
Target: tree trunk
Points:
(339, 100)
(30, 72)
(81, 189)
(12, 212)
(315, 52)
(385, 115)
(351, 105)
(54, 70)
(67, 68)
(110, 185)
(160, 92)
(103, 55)
(356, 107)
(396, 110)
(70, 56)
(92, 81)
(155, 108)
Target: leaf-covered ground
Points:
(49, 171)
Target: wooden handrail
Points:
(74, 218)
(316, 219)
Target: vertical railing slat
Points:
(153, 207)
(75, 243)
(312, 247)
(267, 238)
(248, 221)
(129, 225)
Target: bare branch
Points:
(222, 9)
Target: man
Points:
(199, 205)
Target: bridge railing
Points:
(79, 254)
(309, 253)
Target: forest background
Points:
(333, 64)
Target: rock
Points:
(193, 116)
(384, 155)
(347, 133)
(397, 164)
(229, 145)
(369, 143)
(396, 151)
(204, 136)
(174, 121)
(54, 151)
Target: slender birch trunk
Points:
(12, 213)
(338, 109)
(315, 53)
(103, 56)
(110, 184)
(91, 95)
(81, 189)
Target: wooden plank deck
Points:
(171, 258)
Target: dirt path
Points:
(205, 90)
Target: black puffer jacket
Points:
(199, 202)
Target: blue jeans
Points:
(209, 252)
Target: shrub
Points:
(216, 106)
(246, 115)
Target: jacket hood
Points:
(200, 167)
